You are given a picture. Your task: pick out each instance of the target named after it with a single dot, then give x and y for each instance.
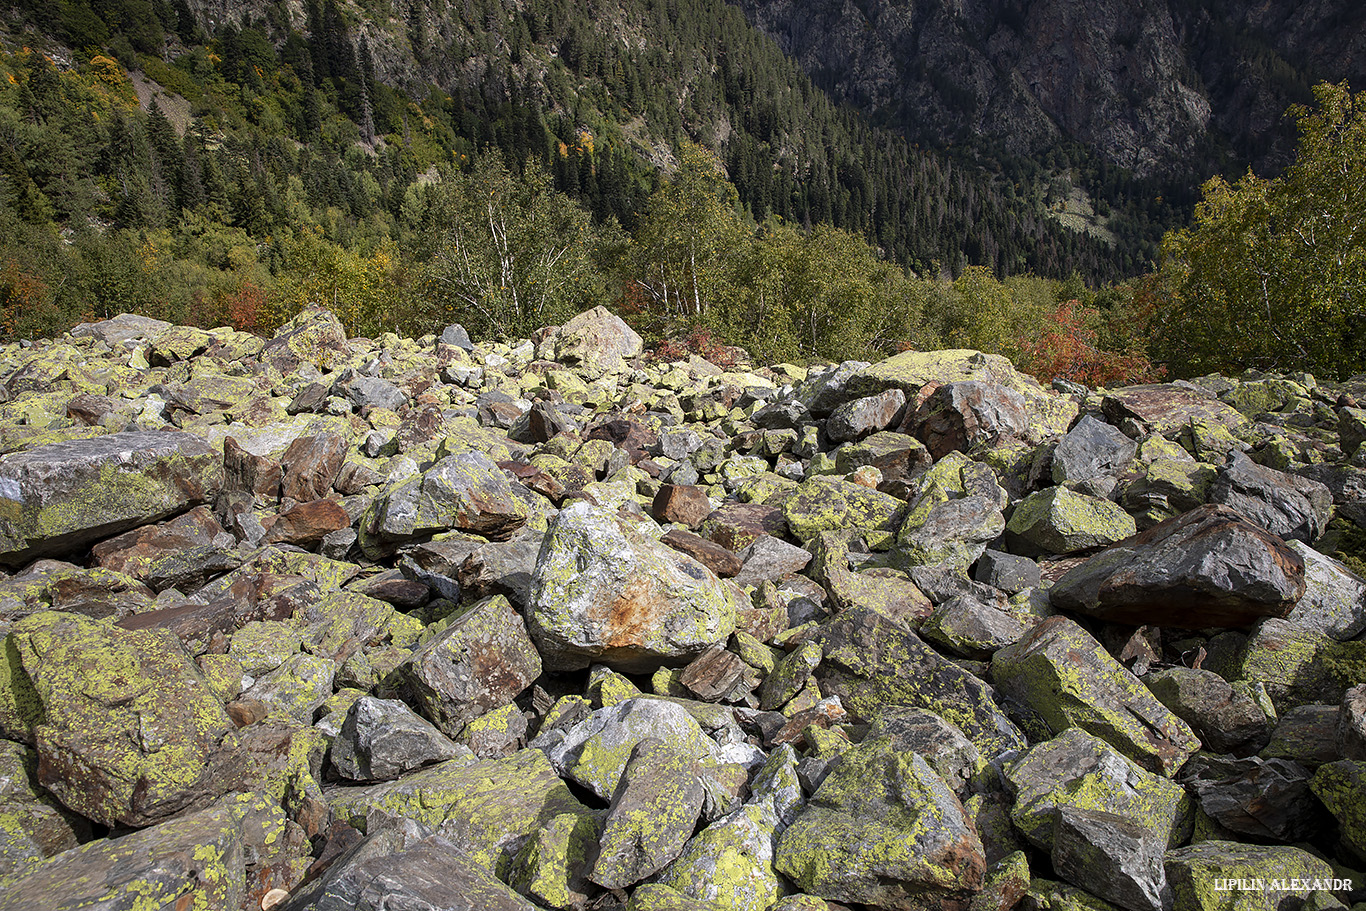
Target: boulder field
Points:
(312, 622)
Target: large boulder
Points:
(597, 341)
(226, 856)
(604, 592)
(60, 497)
(128, 732)
(885, 830)
(478, 663)
(871, 663)
(467, 491)
(910, 371)
(1066, 678)
(1207, 567)
(1284, 504)
(1168, 408)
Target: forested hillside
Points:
(504, 166)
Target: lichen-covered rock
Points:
(33, 825)
(465, 491)
(57, 498)
(729, 864)
(955, 511)
(551, 868)
(969, 415)
(1225, 717)
(871, 662)
(1287, 659)
(827, 504)
(942, 744)
(970, 628)
(1231, 876)
(198, 860)
(1076, 769)
(479, 662)
(313, 340)
(654, 809)
(1349, 734)
(1060, 521)
(1068, 679)
(127, 731)
(912, 370)
(1207, 567)
(1284, 504)
(596, 751)
(1165, 488)
(603, 592)
(383, 738)
(487, 807)
(597, 341)
(1167, 408)
(885, 830)
(1341, 786)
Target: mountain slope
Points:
(1158, 86)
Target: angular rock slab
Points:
(383, 738)
(427, 874)
(1334, 599)
(487, 807)
(603, 592)
(885, 830)
(871, 662)
(1197, 872)
(467, 491)
(652, 815)
(194, 861)
(60, 497)
(1090, 449)
(1112, 857)
(1284, 504)
(595, 752)
(128, 731)
(1068, 679)
(1076, 769)
(478, 663)
(1207, 567)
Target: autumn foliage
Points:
(1068, 348)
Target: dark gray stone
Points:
(1090, 449)
(1266, 798)
(1284, 504)
(383, 738)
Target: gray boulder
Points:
(383, 738)
(478, 663)
(1264, 798)
(60, 497)
(1207, 567)
(1284, 504)
(1090, 449)
(604, 592)
(1112, 857)
(861, 417)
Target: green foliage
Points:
(515, 254)
(1272, 275)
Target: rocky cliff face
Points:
(312, 622)
(1145, 83)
